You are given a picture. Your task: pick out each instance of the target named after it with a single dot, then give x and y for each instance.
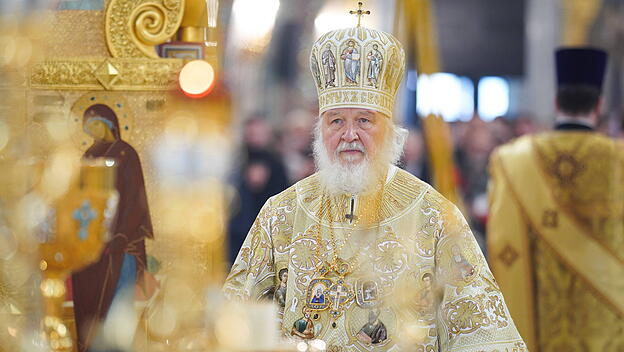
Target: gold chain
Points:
(332, 237)
(325, 209)
(325, 201)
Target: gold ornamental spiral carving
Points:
(150, 22)
(134, 28)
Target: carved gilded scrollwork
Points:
(109, 74)
(134, 28)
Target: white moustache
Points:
(350, 146)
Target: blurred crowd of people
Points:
(272, 159)
(473, 142)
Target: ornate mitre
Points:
(357, 68)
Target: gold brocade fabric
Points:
(570, 316)
(584, 171)
(555, 304)
(420, 281)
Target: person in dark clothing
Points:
(262, 175)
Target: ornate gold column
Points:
(422, 45)
(578, 17)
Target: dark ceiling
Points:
(481, 37)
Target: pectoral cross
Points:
(359, 12)
(351, 217)
(84, 215)
(339, 294)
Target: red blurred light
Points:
(197, 79)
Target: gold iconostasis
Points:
(127, 55)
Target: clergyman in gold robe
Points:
(556, 226)
(375, 258)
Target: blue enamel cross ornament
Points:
(84, 215)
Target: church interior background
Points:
(217, 100)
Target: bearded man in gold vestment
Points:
(376, 259)
(556, 226)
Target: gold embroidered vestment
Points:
(556, 239)
(419, 282)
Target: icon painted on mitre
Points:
(351, 57)
(375, 62)
(328, 61)
(392, 70)
(315, 71)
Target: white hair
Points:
(355, 178)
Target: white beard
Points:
(356, 178)
(339, 178)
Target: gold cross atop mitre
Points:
(359, 12)
(357, 67)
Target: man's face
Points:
(257, 134)
(350, 135)
(257, 175)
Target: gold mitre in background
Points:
(357, 68)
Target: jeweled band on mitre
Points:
(357, 67)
